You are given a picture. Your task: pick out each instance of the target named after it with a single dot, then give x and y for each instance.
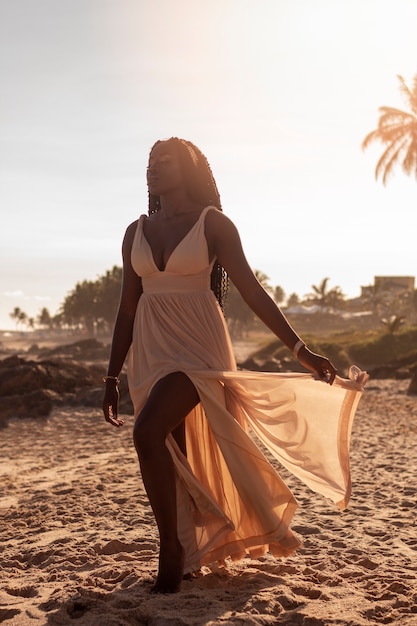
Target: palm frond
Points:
(370, 137)
(391, 122)
(398, 115)
(409, 163)
(397, 129)
(386, 134)
(387, 161)
(389, 134)
(409, 94)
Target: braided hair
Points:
(201, 188)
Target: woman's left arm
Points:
(225, 245)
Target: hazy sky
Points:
(277, 93)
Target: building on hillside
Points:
(390, 284)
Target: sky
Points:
(278, 94)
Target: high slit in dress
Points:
(231, 502)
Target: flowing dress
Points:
(231, 502)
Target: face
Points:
(164, 170)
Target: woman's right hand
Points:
(110, 405)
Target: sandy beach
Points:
(79, 544)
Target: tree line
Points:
(91, 306)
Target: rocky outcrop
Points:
(88, 350)
(19, 376)
(37, 403)
(32, 384)
(31, 388)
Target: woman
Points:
(213, 493)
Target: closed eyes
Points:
(163, 160)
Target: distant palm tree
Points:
(398, 130)
(293, 299)
(279, 294)
(44, 318)
(19, 316)
(325, 297)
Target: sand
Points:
(79, 544)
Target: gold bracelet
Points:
(116, 379)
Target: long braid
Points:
(201, 188)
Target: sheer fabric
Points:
(231, 501)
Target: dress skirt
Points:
(231, 501)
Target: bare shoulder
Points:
(130, 231)
(218, 225)
(223, 240)
(129, 236)
(132, 228)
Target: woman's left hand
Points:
(111, 404)
(318, 364)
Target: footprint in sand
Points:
(313, 593)
(115, 546)
(6, 614)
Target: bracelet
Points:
(116, 379)
(296, 349)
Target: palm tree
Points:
(18, 316)
(398, 130)
(293, 299)
(326, 298)
(279, 294)
(44, 318)
(93, 304)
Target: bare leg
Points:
(169, 402)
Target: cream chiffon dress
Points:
(231, 501)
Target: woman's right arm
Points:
(123, 328)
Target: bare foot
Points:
(171, 569)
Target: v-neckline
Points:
(161, 271)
